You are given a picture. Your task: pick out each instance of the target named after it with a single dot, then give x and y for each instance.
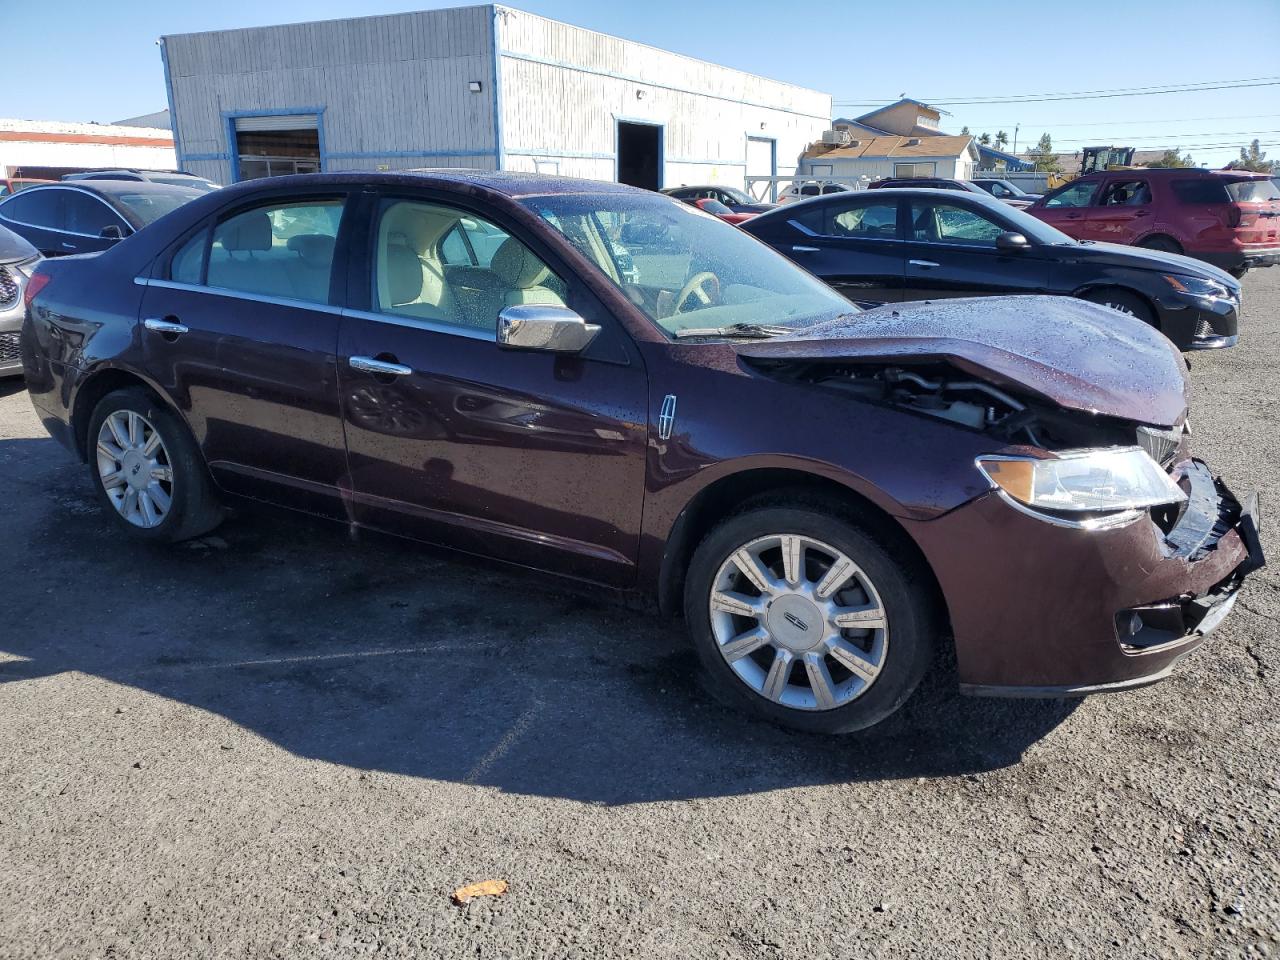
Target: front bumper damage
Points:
(1096, 610)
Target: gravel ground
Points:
(279, 742)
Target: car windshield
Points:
(737, 196)
(686, 269)
(149, 207)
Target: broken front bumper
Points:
(1044, 610)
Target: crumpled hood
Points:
(1073, 353)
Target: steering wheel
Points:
(694, 287)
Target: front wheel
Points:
(148, 470)
(804, 619)
(1125, 302)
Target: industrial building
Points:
(46, 149)
(485, 87)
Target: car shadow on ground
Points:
(382, 655)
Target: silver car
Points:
(17, 260)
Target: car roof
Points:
(112, 188)
(506, 182)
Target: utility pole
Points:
(1015, 139)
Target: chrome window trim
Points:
(46, 188)
(431, 326)
(239, 295)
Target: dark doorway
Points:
(640, 155)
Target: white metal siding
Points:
(390, 90)
(564, 88)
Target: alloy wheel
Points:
(799, 622)
(134, 468)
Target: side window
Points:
(279, 250)
(1073, 195)
(1206, 190)
(1125, 193)
(866, 220)
(39, 208)
(85, 214)
(187, 265)
(812, 220)
(439, 264)
(948, 223)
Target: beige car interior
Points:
(413, 279)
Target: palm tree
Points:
(1002, 139)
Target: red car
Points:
(718, 209)
(1228, 218)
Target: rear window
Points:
(152, 206)
(1253, 191)
(1202, 190)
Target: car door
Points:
(851, 241)
(239, 326)
(1066, 207)
(952, 252)
(531, 457)
(1121, 214)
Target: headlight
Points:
(1114, 483)
(1198, 287)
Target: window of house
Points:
(915, 170)
(277, 146)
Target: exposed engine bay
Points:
(940, 390)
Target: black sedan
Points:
(736, 200)
(87, 216)
(886, 246)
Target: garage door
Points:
(760, 163)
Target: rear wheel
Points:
(1162, 243)
(148, 470)
(1238, 272)
(1125, 302)
(802, 618)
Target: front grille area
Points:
(8, 347)
(8, 287)
(1204, 328)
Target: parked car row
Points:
(18, 260)
(606, 384)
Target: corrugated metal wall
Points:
(564, 88)
(393, 89)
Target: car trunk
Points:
(1254, 211)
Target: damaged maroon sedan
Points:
(610, 385)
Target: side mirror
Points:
(1011, 241)
(111, 232)
(543, 327)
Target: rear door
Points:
(1066, 207)
(240, 325)
(84, 217)
(528, 456)
(852, 242)
(951, 252)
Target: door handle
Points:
(804, 249)
(370, 365)
(68, 246)
(925, 264)
(1073, 216)
(164, 326)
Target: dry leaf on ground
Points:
(485, 888)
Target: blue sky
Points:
(89, 60)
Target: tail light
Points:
(37, 283)
(1237, 214)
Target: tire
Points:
(900, 652)
(1125, 302)
(181, 508)
(1162, 243)
(1238, 272)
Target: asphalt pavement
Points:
(279, 741)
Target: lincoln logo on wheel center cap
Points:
(795, 621)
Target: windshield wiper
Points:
(750, 331)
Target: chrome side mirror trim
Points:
(533, 326)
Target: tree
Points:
(964, 132)
(985, 139)
(1002, 139)
(1253, 159)
(1043, 157)
(1171, 158)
